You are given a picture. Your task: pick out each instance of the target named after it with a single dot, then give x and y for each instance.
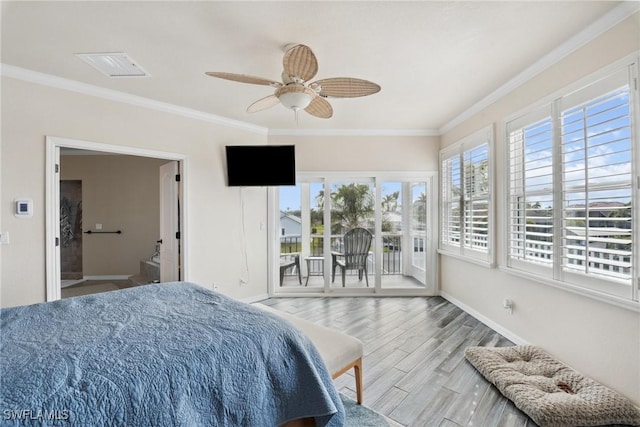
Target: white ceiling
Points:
(434, 60)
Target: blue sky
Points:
(290, 195)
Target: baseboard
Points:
(108, 277)
(490, 323)
(70, 282)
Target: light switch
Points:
(98, 226)
(4, 238)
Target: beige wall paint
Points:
(363, 153)
(121, 193)
(599, 339)
(215, 218)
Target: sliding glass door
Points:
(403, 207)
(352, 258)
(363, 234)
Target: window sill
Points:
(568, 287)
(477, 261)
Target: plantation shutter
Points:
(476, 197)
(531, 214)
(571, 188)
(451, 194)
(597, 182)
(466, 196)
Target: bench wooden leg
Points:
(357, 368)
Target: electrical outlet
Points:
(215, 287)
(507, 304)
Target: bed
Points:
(168, 354)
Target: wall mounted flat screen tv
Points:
(260, 165)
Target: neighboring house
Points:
(394, 219)
(290, 225)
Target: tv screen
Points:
(260, 165)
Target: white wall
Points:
(215, 253)
(597, 338)
(363, 153)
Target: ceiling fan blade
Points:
(346, 87)
(299, 61)
(263, 104)
(243, 78)
(319, 107)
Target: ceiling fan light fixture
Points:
(295, 97)
(296, 92)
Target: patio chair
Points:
(357, 242)
(287, 262)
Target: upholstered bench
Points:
(551, 393)
(339, 351)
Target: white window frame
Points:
(375, 177)
(591, 286)
(459, 149)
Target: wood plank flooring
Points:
(414, 367)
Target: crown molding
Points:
(31, 76)
(354, 132)
(606, 22)
(589, 33)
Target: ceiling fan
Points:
(295, 92)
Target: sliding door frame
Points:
(376, 178)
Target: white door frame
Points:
(52, 200)
(432, 285)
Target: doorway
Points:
(315, 216)
(103, 235)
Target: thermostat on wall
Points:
(24, 208)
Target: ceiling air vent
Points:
(117, 64)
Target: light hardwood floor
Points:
(414, 367)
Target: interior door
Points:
(169, 222)
(53, 232)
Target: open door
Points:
(169, 222)
(53, 222)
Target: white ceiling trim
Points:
(608, 21)
(118, 96)
(126, 98)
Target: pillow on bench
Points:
(548, 391)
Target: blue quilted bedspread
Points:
(169, 354)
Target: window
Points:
(571, 194)
(531, 190)
(466, 197)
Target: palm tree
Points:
(420, 209)
(390, 202)
(352, 205)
